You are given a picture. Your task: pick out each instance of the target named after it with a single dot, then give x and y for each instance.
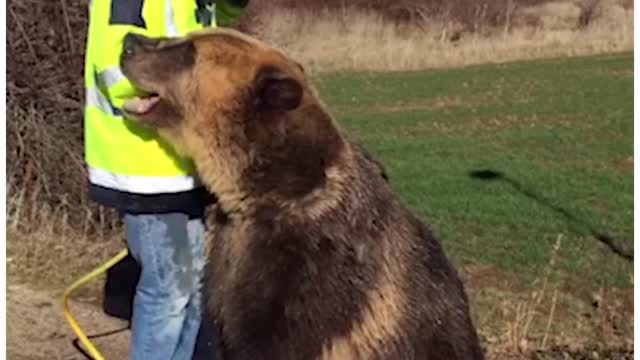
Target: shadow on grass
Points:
(491, 175)
(85, 353)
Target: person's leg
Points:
(168, 247)
(194, 312)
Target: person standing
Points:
(156, 190)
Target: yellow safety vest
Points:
(123, 156)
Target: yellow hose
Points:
(79, 283)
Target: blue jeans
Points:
(167, 307)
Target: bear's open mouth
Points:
(150, 108)
(140, 106)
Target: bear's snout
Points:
(135, 44)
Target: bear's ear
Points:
(275, 90)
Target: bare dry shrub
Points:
(45, 164)
(552, 16)
(370, 41)
(607, 13)
(54, 234)
(588, 9)
(44, 107)
(47, 171)
(45, 44)
(52, 226)
(472, 14)
(602, 11)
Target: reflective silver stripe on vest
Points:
(170, 24)
(143, 184)
(95, 98)
(111, 76)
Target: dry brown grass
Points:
(517, 336)
(53, 234)
(329, 41)
(525, 320)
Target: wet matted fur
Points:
(312, 254)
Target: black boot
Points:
(120, 288)
(206, 343)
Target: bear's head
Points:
(244, 111)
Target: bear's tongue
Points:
(141, 105)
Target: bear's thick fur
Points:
(312, 255)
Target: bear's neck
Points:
(307, 195)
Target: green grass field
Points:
(559, 131)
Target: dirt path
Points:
(37, 330)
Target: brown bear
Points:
(312, 256)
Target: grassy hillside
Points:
(504, 160)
